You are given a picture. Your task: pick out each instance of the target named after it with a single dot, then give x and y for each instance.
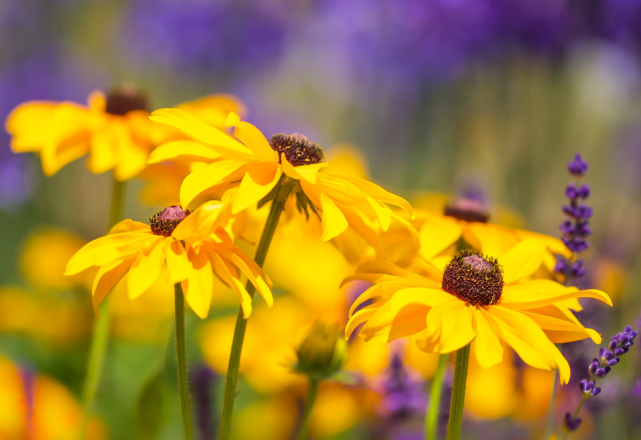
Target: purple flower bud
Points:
(593, 367)
(600, 373)
(578, 166)
(582, 385)
(582, 229)
(634, 334)
(567, 227)
(619, 351)
(602, 352)
(613, 362)
(590, 386)
(613, 345)
(596, 391)
(571, 424)
(571, 191)
(584, 191)
(561, 265)
(627, 329)
(577, 270)
(608, 355)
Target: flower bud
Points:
(322, 352)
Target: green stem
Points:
(311, 398)
(181, 362)
(458, 393)
(100, 335)
(241, 323)
(431, 418)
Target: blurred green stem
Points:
(181, 362)
(311, 399)
(458, 393)
(276, 209)
(431, 418)
(100, 335)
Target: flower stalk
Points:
(100, 334)
(285, 186)
(458, 393)
(181, 362)
(311, 399)
(431, 418)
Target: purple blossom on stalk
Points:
(203, 379)
(28, 382)
(599, 368)
(403, 394)
(575, 227)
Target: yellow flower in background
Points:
(145, 252)
(478, 300)
(34, 406)
(44, 255)
(114, 130)
(255, 165)
(59, 321)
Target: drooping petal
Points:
(145, 270)
(254, 273)
(487, 345)
(226, 272)
(210, 176)
(107, 278)
(187, 150)
(251, 137)
(437, 234)
(378, 193)
(558, 327)
(200, 283)
(360, 317)
(334, 222)
(259, 179)
(455, 321)
(309, 173)
(539, 293)
(201, 131)
(377, 327)
(522, 260)
(522, 334)
(177, 261)
(408, 321)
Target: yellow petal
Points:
(494, 240)
(528, 340)
(378, 193)
(538, 293)
(378, 326)
(214, 109)
(200, 283)
(487, 345)
(259, 180)
(186, 150)
(360, 317)
(145, 270)
(107, 278)
(409, 321)
(255, 275)
(522, 260)
(177, 261)
(210, 176)
(437, 234)
(334, 222)
(558, 327)
(129, 225)
(226, 272)
(199, 130)
(252, 138)
(418, 295)
(383, 213)
(308, 173)
(456, 322)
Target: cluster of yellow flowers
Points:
(442, 280)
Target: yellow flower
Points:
(114, 130)
(43, 259)
(478, 300)
(144, 252)
(255, 165)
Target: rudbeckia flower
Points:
(255, 165)
(145, 252)
(114, 130)
(477, 299)
(468, 219)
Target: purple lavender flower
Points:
(599, 368)
(403, 395)
(636, 391)
(575, 227)
(203, 379)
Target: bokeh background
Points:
(429, 98)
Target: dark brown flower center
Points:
(298, 150)
(164, 222)
(473, 278)
(124, 99)
(469, 210)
